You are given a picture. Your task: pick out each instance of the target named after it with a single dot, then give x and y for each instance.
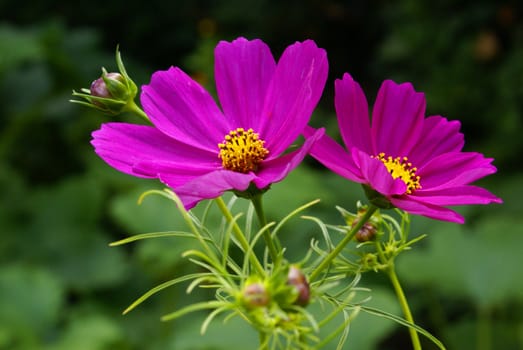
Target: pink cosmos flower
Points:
(200, 150)
(404, 159)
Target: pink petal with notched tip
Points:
(454, 169)
(460, 195)
(439, 136)
(334, 157)
(425, 209)
(243, 72)
(352, 110)
(397, 118)
(293, 94)
(182, 109)
(124, 146)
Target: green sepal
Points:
(377, 198)
(117, 88)
(251, 191)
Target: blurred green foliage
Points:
(62, 287)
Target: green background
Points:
(62, 287)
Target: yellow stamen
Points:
(242, 151)
(401, 168)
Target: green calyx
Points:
(377, 198)
(251, 192)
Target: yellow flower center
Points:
(242, 151)
(401, 168)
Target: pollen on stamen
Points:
(242, 151)
(401, 168)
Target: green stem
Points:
(341, 245)
(208, 250)
(484, 340)
(391, 272)
(381, 254)
(264, 341)
(271, 242)
(240, 237)
(133, 107)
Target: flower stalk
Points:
(240, 237)
(269, 240)
(386, 264)
(264, 341)
(132, 107)
(341, 245)
(402, 299)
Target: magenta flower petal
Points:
(455, 169)
(415, 163)
(180, 108)
(459, 195)
(377, 175)
(431, 211)
(439, 136)
(243, 72)
(277, 169)
(176, 175)
(210, 185)
(334, 157)
(397, 118)
(353, 114)
(294, 91)
(184, 172)
(123, 146)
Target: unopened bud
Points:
(368, 262)
(297, 279)
(255, 295)
(108, 86)
(112, 93)
(366, 233)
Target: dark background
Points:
(62, 287)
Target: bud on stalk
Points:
(112, 93)
(297, 279)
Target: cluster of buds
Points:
(112, 93)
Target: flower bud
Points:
(368, 262)
(366, 233)
(297, 279)
(112, 93)
(109, 85)
(255, 295)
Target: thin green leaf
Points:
(381, 313)
(294, 213)
(323, 229)
(197, 281)
(159, 288)
(211, 316)
(152, 235)
(192, 308)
